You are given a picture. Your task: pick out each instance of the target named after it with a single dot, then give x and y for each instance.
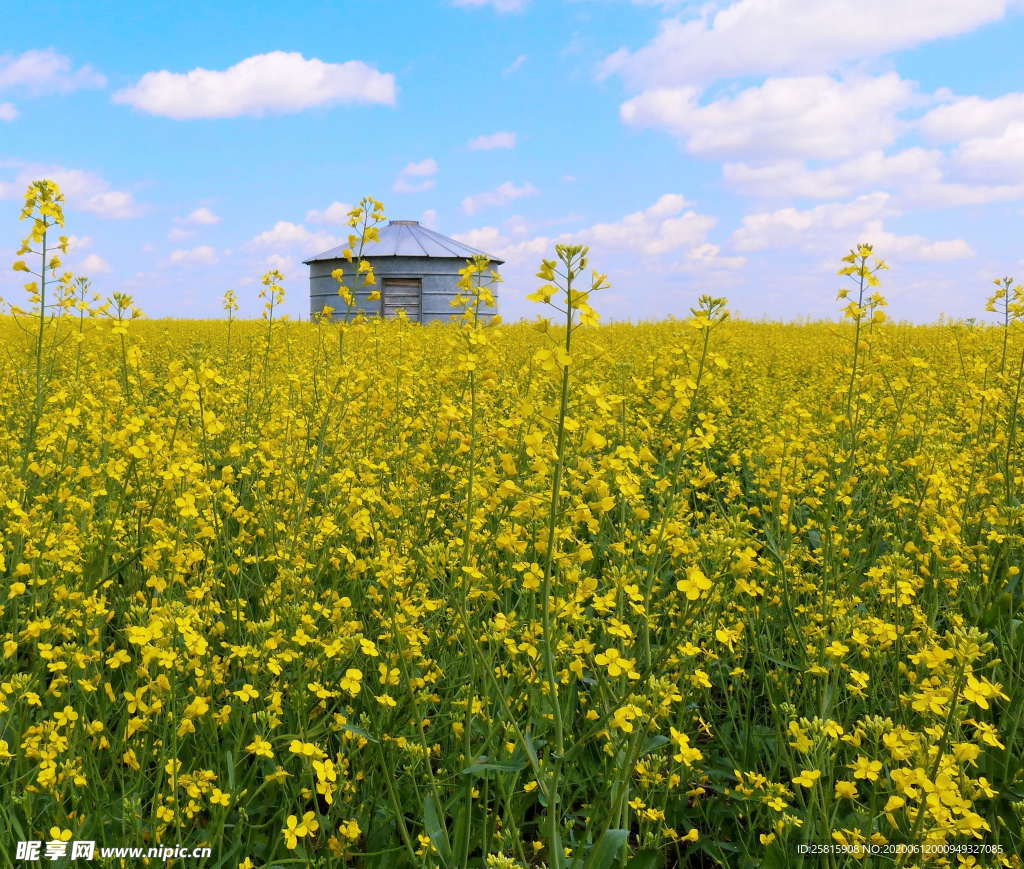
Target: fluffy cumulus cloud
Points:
(201, 216)
(185, 227)
(493, 141)
(335, 213)
(288, 266)
(78, 243)
(987, 135)
(485, 238)
(795, 178)
(278, 82)
(46, 71)
(972, 117)
(82, 189)
(998, 157)
(416, 177)
(291, 241)
(668, 227)
(113, 204)
(802, 116)
(94, 264)
(763, 37)
(504, 193)
(816, 126)
(203, 254)
(838, 226)
(916, 177)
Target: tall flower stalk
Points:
(560, 293)
(44, 208)
(862, 267)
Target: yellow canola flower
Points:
(694, 583)
(296, 829)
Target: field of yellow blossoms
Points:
(699, 593)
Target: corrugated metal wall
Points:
(439, 280)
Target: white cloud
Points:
(661, 228)
(972, 117)
(112, 204)
(917, 246)
(424, 169)
(497, 5)
(201, 255)
(405, 185)
(995, 157)
(46, 72)
(518, 225)
(429, 218)
(185, 226)
(515, 66)
(486, 238)
(793, 178)
(82, 189)
(275, 83)
(95, 264)
(285, 234)
(492, 141)
(706, 258)
(287, 266)
(783, 227)
(8, 111)
(915, 176)
(79, 243)
(667, 226)
(335, 213)
(752, 37)
(835, 227)
(806, 116)
(501, 195)
(202, 216)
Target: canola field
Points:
(700, 592)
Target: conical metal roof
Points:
(408, 238)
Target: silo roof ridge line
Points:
(443, 241)
(415, 237)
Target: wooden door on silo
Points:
(401, 293)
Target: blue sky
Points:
(737, 147)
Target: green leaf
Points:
(485, 765)
(780, 663)
(231, 771)
(358, 731)
(653, 744)
(435, 829)
(606, 851)
(531, 750)
(648, 859)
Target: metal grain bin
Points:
(417, 271)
